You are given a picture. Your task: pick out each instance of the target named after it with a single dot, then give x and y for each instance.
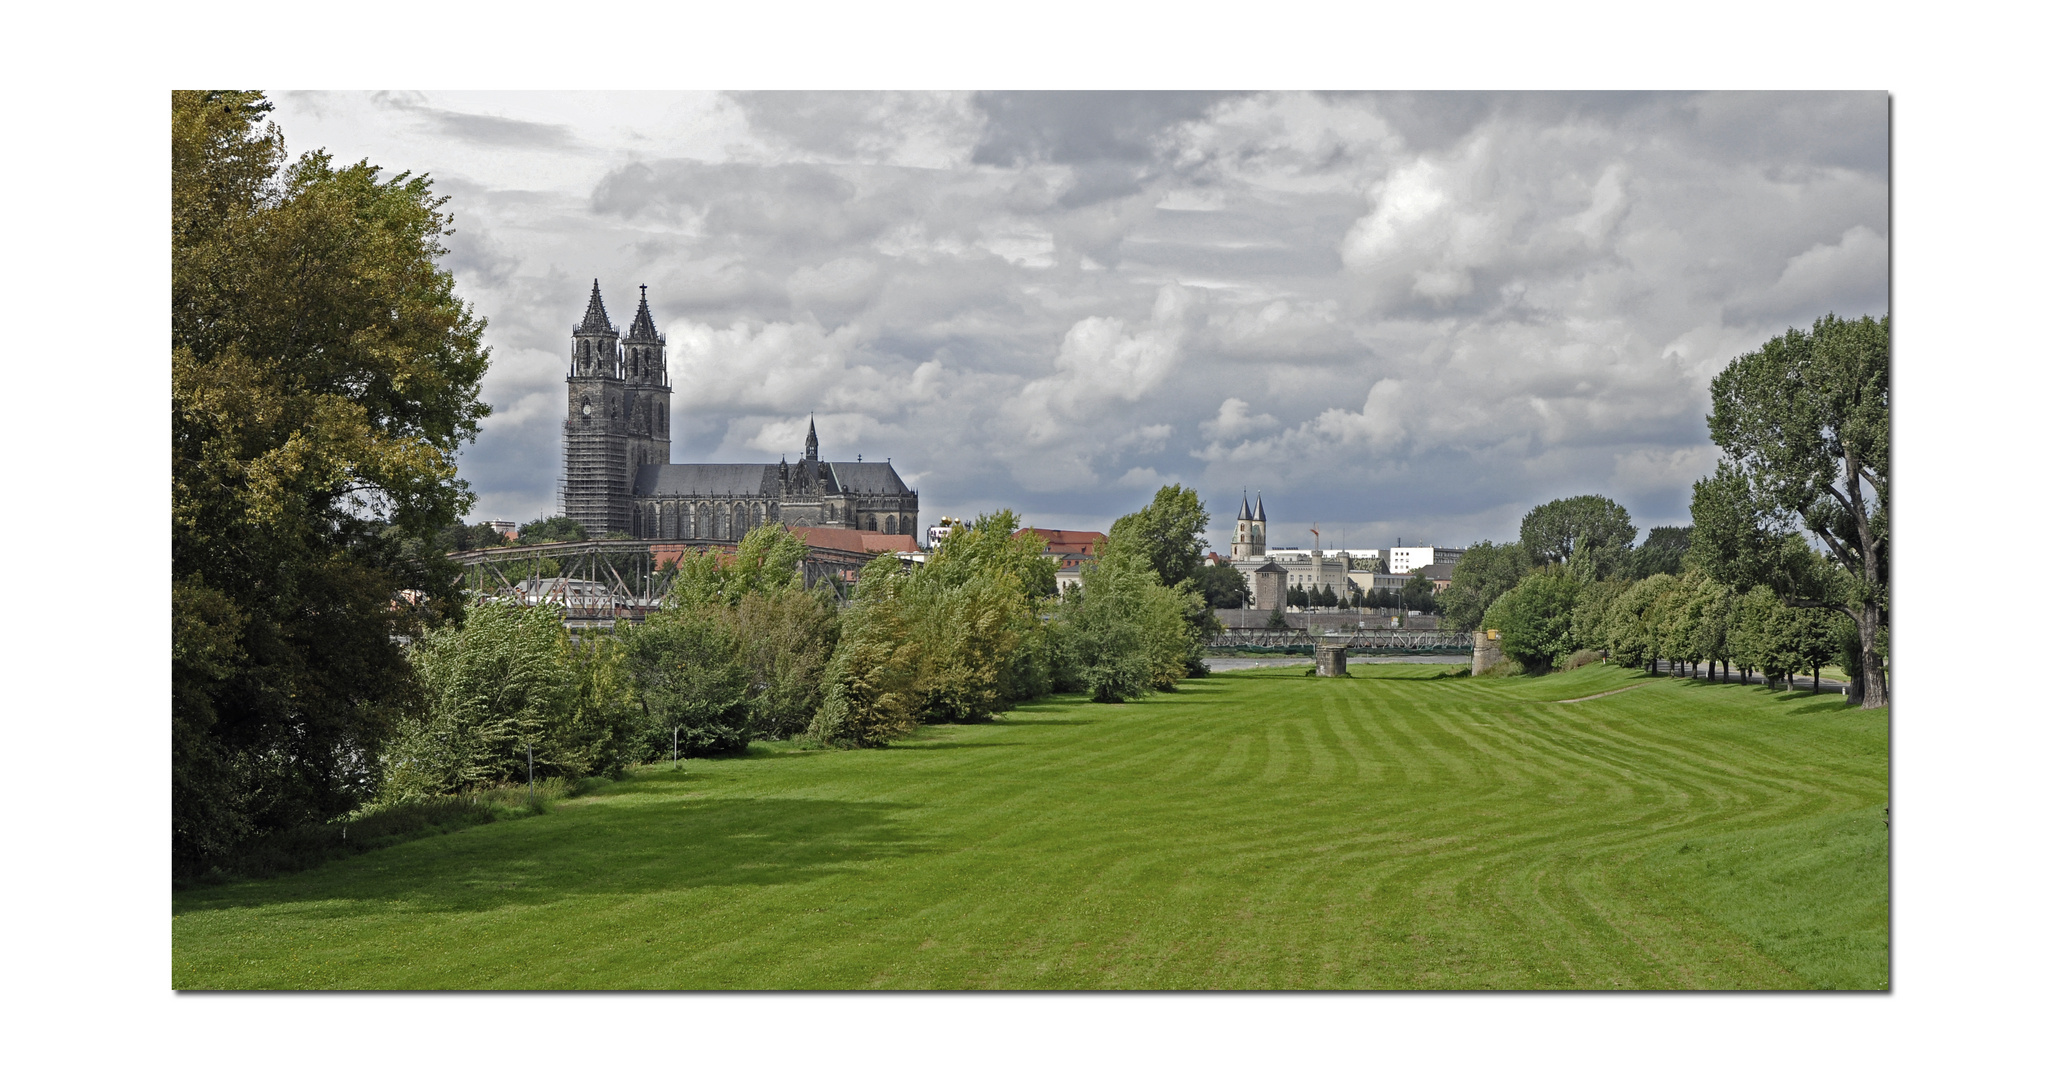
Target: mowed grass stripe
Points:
(1252, 830)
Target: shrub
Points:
(495, 689)
(1580, 658)
(1536, 618)
(689, 677)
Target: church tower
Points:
(596, 487)
(647, 391)
(1251, 531)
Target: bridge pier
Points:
(1487, 649)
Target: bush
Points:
(690, 679)
(507, 684)
(1536, 618)
(1580, 659)
(1502, 669)
(1122, 634)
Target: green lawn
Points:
(1254, 830)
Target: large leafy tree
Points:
(1803, 426)
(1664, 551)
(1169, 534)
(1483, 573)
(1551, 532)
(324, 375)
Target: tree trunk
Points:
(1816, 677)
(1874, 687)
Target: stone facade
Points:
(619, 475)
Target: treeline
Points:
(1785, 566)
(741, 651)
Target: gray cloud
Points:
(480, 128)
(1399, 314)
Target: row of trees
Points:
(741, 651)
(1687, 620)
(1786, 564)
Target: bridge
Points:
(599, 582)
(1392, 642)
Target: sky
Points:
(1401, 316)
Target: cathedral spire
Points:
(1262, 507)
(1244, 512)
(596, 321)
(811, 453)
(641, 328)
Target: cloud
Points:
(481, 128)
(1415, 313)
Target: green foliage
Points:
(551, 530)
(992, 547)
(1297, 597)
(324, 375)
(1123, 634)
(785, 639)
(690, 679)
(1551, 531)
(767, 560)
(1484, 572)
(1803, 423)
(1536, 618)
(462, 537)
(870, 693)
(1418, 594)
(506, 683)
(1664, 551)
(1222, 586)
(1169, 534)
(1635, 621)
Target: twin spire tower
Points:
(618, 414)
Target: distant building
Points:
(1401, 560)
(1073, 550)
(941, 530)
(1269, 586)
(619, 475)
(1307, 570)
(506, 528)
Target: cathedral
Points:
(619, 476)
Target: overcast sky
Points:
(1399, 315)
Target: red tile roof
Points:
(1068, 541)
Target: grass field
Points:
(1254, 830)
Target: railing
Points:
(589, 585)
(1363, 641)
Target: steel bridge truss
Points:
(594, 592)
(1361, 641)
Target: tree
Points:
(1169, 534)
(1328, 598)
(1551, 531)
(684, 658)
(1483, 573)
(870, 693)
(1123, 633)
(1297, 597)
(1633, 624)
(324, 375)
(1803, 427)
(1418, 594)
(1536, 618)
(1222, 586)
(551, 530)
(507, 688)
(1663, 551)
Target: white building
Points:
(1401, 560)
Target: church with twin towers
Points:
(619, 477)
